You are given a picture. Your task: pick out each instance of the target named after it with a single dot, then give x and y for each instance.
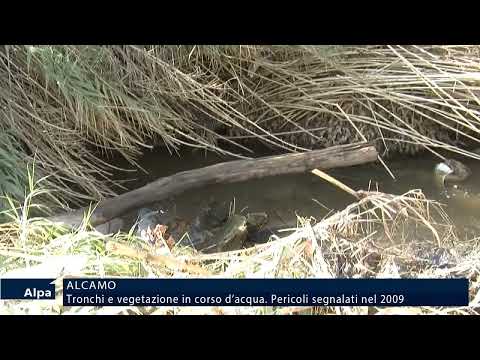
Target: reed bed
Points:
(73, 108)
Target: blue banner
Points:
(265, 292)
(27, 289)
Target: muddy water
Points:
(285, 197)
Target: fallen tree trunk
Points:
(228, 172)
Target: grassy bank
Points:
(72, 107)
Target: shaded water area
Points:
(285, 197)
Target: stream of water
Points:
(285, 197)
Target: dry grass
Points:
(69, 109)
(380, 235)
(74, 106)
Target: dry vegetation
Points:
(354, 243)
(72, 106)
(68, 108)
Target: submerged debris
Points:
(213, 230)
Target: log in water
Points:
(227, 172)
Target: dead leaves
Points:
(158, 235)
